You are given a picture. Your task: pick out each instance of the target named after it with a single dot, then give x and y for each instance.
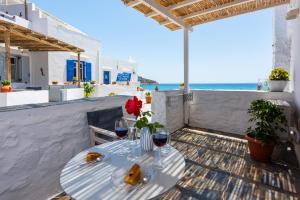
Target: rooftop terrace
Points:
(218, 166)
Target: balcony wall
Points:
(227, 110)
(168, 109)
(224, 111)
(36, 143)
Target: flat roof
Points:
(24, 38)
(177, 14)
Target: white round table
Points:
(93, 181)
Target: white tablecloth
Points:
(93, 181)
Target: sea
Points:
(202, 86)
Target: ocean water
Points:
(203, 86)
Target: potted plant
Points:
(156, 88)
(267, 118)
(6, 87)
(148, 98)
(54, 82)
(134, 106)
(88, 89)
(114, 83)
(112, 94)
(181, 86)
(278, 80)
(93, 82)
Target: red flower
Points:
(133, 106)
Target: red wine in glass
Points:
(160, 139)
(121, 132)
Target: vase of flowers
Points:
(133, 107)
(146, 139)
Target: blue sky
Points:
(233, 50)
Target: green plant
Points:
(181, 85)
(144, 122)
(112, 94)
(268, 119)
(88, 89)
(5, 82)
(279, 74)
(156, 88)
(93, 82)
(148, 94)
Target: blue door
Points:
(71, 73)
(106, 77)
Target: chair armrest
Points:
(104, 132)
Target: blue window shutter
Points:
(88, 71)
(70, 70)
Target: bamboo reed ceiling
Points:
(195, 12)
(24, 38)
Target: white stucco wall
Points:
(281, 39)
(227, 110)
(105, 90)
(72, 94)
(118, 66)
(38, 61)
(55, 62)
(167, 107)
(295, 60)
(24, 97)
(35, 144)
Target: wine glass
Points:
(166, 148)
(121, 130)
(160, 139)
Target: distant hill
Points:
(146, 81)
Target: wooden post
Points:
(7, 54)
(79, 71)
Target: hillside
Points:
(146, 81)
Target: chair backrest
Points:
(106, 118)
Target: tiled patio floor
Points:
(219, 167)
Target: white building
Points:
(114, 69)
(39, 69)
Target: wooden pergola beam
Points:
(215, 9)
(133, 3)
(244, 12)
(175, 7)
(24, 36)
(165, 13)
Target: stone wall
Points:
(36, 143)
(227, 110)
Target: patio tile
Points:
(219, 167)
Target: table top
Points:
(93, 181)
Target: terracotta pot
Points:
(6, 88)
(148, 99)
(258, 150)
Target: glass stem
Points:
(159, 156)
